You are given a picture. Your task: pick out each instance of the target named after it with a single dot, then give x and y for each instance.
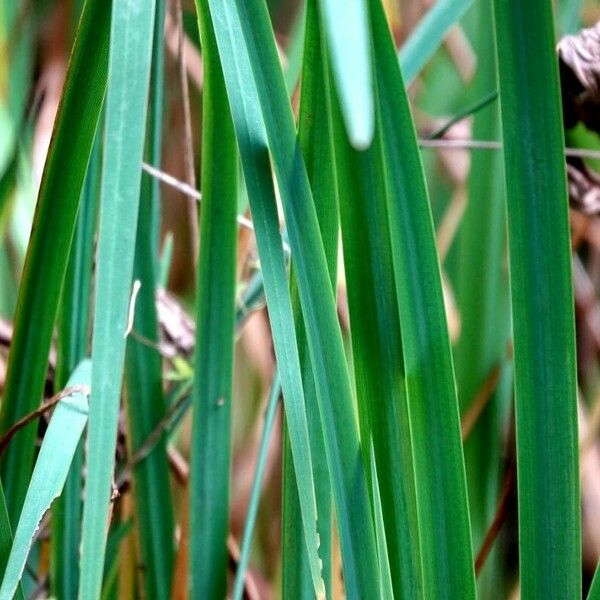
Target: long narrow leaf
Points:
(129, 71)
(246, 41)
(143, 364)
(16, 57)
(315, 136)
(348, 39)
(444, 527)
(385, 575)
(72, 348)
(48, 250)
(259, 472)
(6, 541)
(257, 172)
(594, 593)
(482, 296)
(542, 301)
(429, 33)
(213, 364)
(51, 469)
(377, 351)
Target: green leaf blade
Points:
(213, 364)
(348, 39)
(129, 69)
(48, 250)
(51, 469)
(143, 364)
(377, 352)
(483, 299)
(257, 172)
(243, 30)
(315, 136)
(72, 348)
(444, 527)
(429, 34)
(261, 460)
(540, 269)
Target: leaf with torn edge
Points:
(50, 472)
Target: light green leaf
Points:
(261, 461)
(143, 364)
(50, 472)
(429, 33)
(347, 29)
(594, 593)
(6, 540)
(315, 136)
(129, 72)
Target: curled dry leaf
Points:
(178, 330)
(584, 187)
(579, 63)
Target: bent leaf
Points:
(50, 472)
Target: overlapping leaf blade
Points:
(377, 351)
(348, 40)
(72, 348)
(251, 139)
(213, 363)
(51, 469)
(49, 246)
(143, 363)
(315, 136)
(482, 296)
(245, 40)
(429, 33)
(129, 72)
(444, 528)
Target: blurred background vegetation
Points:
(36, 38)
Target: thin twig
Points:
(173, 182)
(499, 518)
(467, 112)
(187, 189)
(152, 438)
(250, 587)
(450, 144)
(193, 58)
(190, 191)
(582, 153)
(178, 465)
(450, 224)
(188, 148)
(444, 144)
(46, 406)
(479, 403)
